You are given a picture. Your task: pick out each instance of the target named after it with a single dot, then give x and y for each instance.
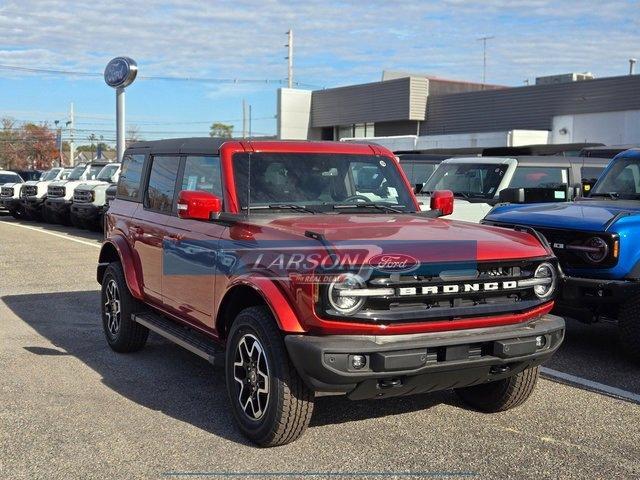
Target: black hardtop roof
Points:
(181, 145)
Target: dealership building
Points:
(414, 112)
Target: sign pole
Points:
(120, 122)
(119, 73)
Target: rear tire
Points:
(629, 328)
(269, 400)
(123, 334)
(501, 395)
(76, 221)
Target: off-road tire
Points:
(501, 395)
(629, 328)
(130, 336)
(76, 221)
(17, 213)
(47, 215)
(290, 404)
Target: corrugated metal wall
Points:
(527, 107)
(401, 99)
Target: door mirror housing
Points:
(198, 205)
(442, 200)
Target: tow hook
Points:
(499, 369)
(389, 383)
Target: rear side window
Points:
(530, 177)
(162, 183)
(130, 177)
(417, 172)
(202, 173)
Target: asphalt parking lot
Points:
(72, 408)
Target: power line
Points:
(52, 71)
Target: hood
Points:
(11, 185)
(587, 215)
(462, 209)
(427, 238)
(91, 184)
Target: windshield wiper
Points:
(281, 206)
(378, 206)
(613, 195)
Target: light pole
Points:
(119, 74)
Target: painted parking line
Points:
(590, 385)
(54, 234)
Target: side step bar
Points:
(191, 340)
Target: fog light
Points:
(541, 341)
(358, 362)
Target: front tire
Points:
(629, 328)
(123, 334)
(501, 395)
(269, 400)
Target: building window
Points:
(355, 130)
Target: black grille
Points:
(568, 246)
(6, 192)
(83, 196)
(56, 191)
(491, 289)
(29, 191)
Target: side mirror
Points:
(418, 188)
(587, 185)
(442, 200)
(198, 205)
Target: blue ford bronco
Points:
(597, 241)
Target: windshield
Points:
(533, 177)
(94, 170)
(77, 172)
(50, 175)
(107, 172)
(10, 178)
(622, 179)
(320, 182)
(473, 180)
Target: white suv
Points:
(90, 198)
(11, 185)
(34, 192)
(60, 193)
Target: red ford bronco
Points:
(308, 268)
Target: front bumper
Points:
(59, 205)
(33, 202)
(583, 298)
(10, 203)
(86, 211)
(418, 363)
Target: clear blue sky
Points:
(336, 43)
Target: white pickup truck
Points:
(10, 186)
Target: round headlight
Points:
(547, 272)
(598, 249)
(338, 298)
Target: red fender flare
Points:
(126, 260)
(280, 307)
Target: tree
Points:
(220, 130)
(132, 135)
(26, 146)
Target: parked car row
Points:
(75, 196)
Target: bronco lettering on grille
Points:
(458, 288)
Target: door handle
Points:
(174, 237)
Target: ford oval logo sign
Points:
(394, 262)
(120, 72)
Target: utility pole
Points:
(632, 64)
(484, 56)
(290, 59)
(250, 134)
(72, 145)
